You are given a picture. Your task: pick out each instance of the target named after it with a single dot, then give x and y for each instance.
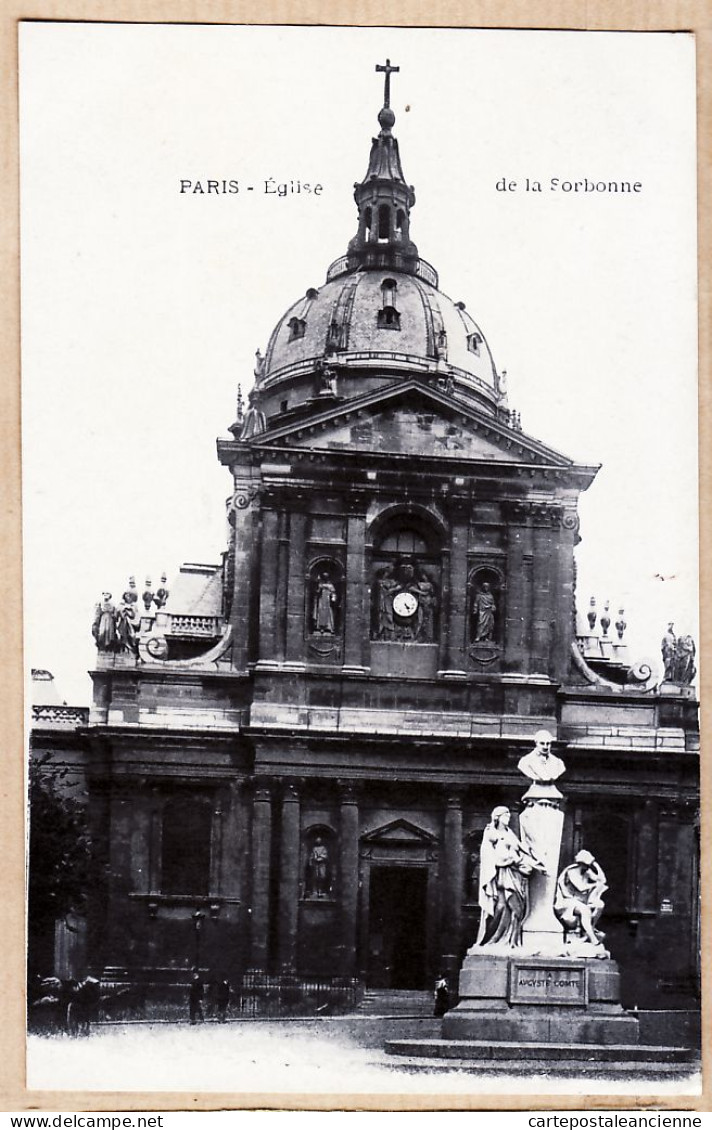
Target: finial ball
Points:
(386, 118)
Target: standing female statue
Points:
(505, 867)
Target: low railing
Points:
(61, 715)
(181, 625)
(271, 997)
(422, 269)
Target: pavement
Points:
(329, 1056)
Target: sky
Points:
(142, 306)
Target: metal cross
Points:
(388, 71)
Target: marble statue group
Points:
(526, 905)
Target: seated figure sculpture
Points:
(505, 867)
(579, 901)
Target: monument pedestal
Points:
(528, 999)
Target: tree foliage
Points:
(60, 850)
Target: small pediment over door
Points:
(400, 841)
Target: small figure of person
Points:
(318, 869)
(668, 648)
(222, 999)
(324, 606)
(196, 994)
(505, 867)
(442, 997)
(484, 609)
(578, 902)
(104, 625)
(541, 765)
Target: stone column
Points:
(454, 605)
(543, 614)
(282, 588)
(452, 882)
(261, 849)
(295, 598)
(243, 517)
(355, 610)
(348, 877)
(268, 586)
(646, 855)
(518, 589)
(289, 880)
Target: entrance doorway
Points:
(397, 928)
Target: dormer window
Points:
(297, 327)
(388, 316)
(474, 341)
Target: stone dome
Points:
(379, 316)
(376, 324)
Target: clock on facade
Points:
(405, 604)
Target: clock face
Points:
(405, 604)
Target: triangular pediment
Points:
(399, 832)
(411, 418)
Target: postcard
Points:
(359, 386)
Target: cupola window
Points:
(384, 223)
(297, 327)
(388, 316)
(368, 222)
(474, 341)
(400, 222)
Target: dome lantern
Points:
(384, 200)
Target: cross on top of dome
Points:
(386, 117)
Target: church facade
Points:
(291, 757)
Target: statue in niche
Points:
(104, 624)
(386, 587)
(323, 614)
(541, 765)
(667, 647)
(326, 377)
(579, 902)
(505, 867)
(427, 604)
(318, 870)
(484, 609)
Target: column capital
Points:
(349, 791)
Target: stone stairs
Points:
(395, 1002)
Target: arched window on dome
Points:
(474, 341)
(297, 328)
(388, 316)
(384, 223)
(406, 571)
